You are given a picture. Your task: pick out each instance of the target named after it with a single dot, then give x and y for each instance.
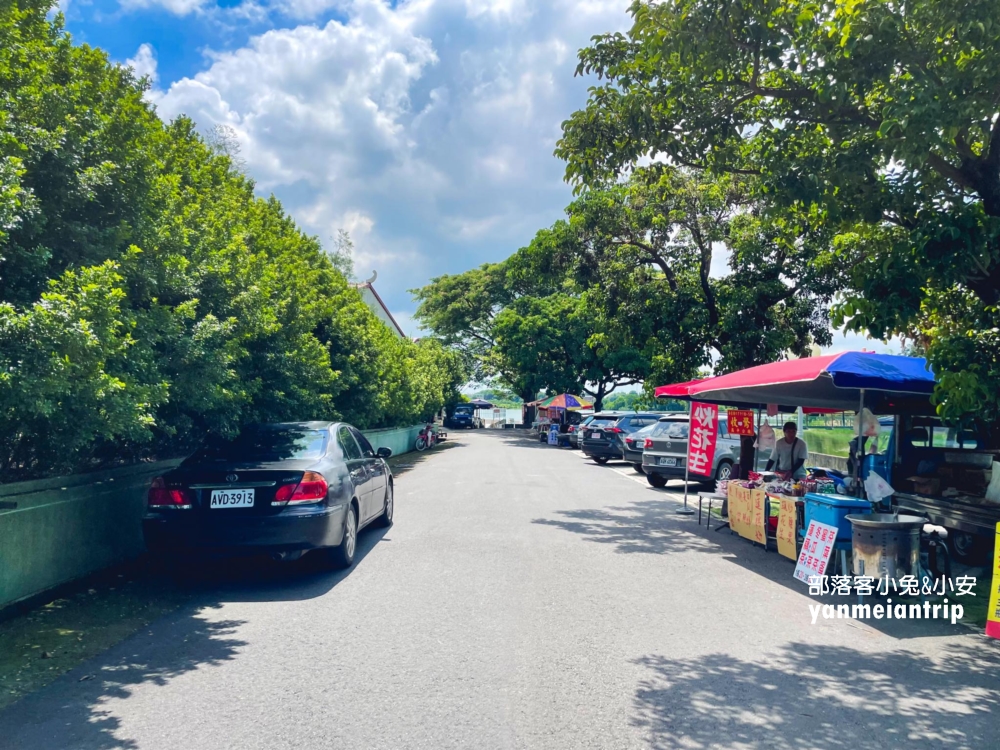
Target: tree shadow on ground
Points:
(826, 698)
(75, 710)
(405, 462)
(653, 527)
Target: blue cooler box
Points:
(833, 511)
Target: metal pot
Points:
(886, 545)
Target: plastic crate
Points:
(833, 511)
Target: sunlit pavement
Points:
(524, 598)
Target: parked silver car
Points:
(665, 452)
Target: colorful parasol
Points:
(565, 401)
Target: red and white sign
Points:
(701, 440)
(816, 550)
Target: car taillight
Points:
(615, 430)
(572, 428)
(648, 443)
(161, 496)
(312, 488)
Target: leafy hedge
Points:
(147, 296)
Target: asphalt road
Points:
(524, 598)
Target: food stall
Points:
(880, 384)
(560, 411)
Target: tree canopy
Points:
(623, 291)
(148, 296)
(877, 121)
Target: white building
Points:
(377, 306)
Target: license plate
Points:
(668, 462)
(231, 499)
(596, 435)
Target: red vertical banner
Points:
(701, 440)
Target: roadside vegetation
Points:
(148, 296)
(844, 159)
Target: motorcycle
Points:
(427, 438)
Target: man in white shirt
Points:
(789, 455)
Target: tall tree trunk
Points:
(599, 397)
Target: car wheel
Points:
(724, 471)
(385, 520)
(342, 556)
(638, 468)
(601, 460)
(968, 549)
(657, 480)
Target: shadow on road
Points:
(653, 527)
(405, 462)
(73, 711)
(823, 697)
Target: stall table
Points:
(711, 497)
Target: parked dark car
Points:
(282, 489)
(665, 452)
(604, 438)
(463, 416)
(634, 444)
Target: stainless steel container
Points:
(884, 544)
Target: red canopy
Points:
(678, 390)
(833, 381)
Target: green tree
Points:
(148, 296)
(873, 119)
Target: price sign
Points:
(740, 422)
(993, 613)
(816, 550)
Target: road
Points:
(525, 598)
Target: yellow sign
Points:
(993, 613)
(786, 528)
(746, 512)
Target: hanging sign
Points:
(740, 422)
(993, 613)
(816, 550)
(701, 438)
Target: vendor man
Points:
(789, 455)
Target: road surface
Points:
(525, 598)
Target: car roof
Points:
(644, 414)
(676, 417)
(315, 425)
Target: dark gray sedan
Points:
(283, 489)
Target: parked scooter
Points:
(427, 438)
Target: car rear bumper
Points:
(293, 529)
(633, 457)
(651, 465)
(601, 450)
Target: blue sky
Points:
(425, 128)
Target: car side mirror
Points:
(384, 452)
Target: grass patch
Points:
(832, 442)
(40, 645)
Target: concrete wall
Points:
(65, 528)
(398, 439)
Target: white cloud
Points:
(177, 7)
(434, 120)
(144, 63)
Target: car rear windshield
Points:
(267, 444)
(603, 421)
(464, 409)
(675, 430)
